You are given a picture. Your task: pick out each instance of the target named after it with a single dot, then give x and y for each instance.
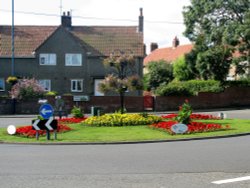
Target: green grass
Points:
(82, 133)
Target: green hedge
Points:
(238, 83)
(189, 88)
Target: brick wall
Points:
(231, 97)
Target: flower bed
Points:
(122, 120)
(193, 127)
(71, 120)
(28, 132)
(193, 116)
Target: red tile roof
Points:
(27, 39)
(98, 40)
(168, 54)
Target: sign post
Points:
(48, 123)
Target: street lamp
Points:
(12, 43)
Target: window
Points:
(73, 59)
(2, 84)
(76, 85)
(97, 92)
(46, 84)
(47, 59)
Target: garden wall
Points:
(231, 97)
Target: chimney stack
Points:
(153, 46)
(175, 42)
(141, 20)
(66, 20)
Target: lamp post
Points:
(12, 43)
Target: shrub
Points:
(27, 88)
(189, 88)
(174, 89)
(238, 83)
(121, 120)
(77, 112)
(51, 93)
(184, 113)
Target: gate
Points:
(148, 102)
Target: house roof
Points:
(168, 54)
(103, 40)
(99, 40)
(27, 39)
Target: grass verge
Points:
(82, 133)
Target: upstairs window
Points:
(2, 84)
(46, 84)
(73, 59)
(76, 85)
(47, 59)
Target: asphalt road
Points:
(184, 164)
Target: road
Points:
(157, 165)
(185, 164)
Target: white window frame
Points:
(45, 83)
(47, 59)
(76, 81)
(73, 59)
(96, 91)
(3, 84)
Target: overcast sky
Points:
(162, 18)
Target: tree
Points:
(218, 24)
(181, 70)
(159, 72)
(123, 76)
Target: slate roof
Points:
(168, 54)
(99, 40)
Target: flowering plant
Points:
(193, 127)
(29, 132)
(27, 88)
(184, 113)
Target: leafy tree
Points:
(181, 70)
(218, 24)
(159, 72)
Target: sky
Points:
(163, 19)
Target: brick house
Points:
(168, 54)
(67, 59)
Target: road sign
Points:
(46, 124)
(46, 111)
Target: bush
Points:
(174, 89)
(77, 112)
(121, 120)
(189, 88)
(26, 89)
(238, 83)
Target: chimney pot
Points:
(141, 18)
(66, 20)
(153, 46)
(175, 42)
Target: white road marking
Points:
(232, 180)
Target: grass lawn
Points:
(82, 133)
